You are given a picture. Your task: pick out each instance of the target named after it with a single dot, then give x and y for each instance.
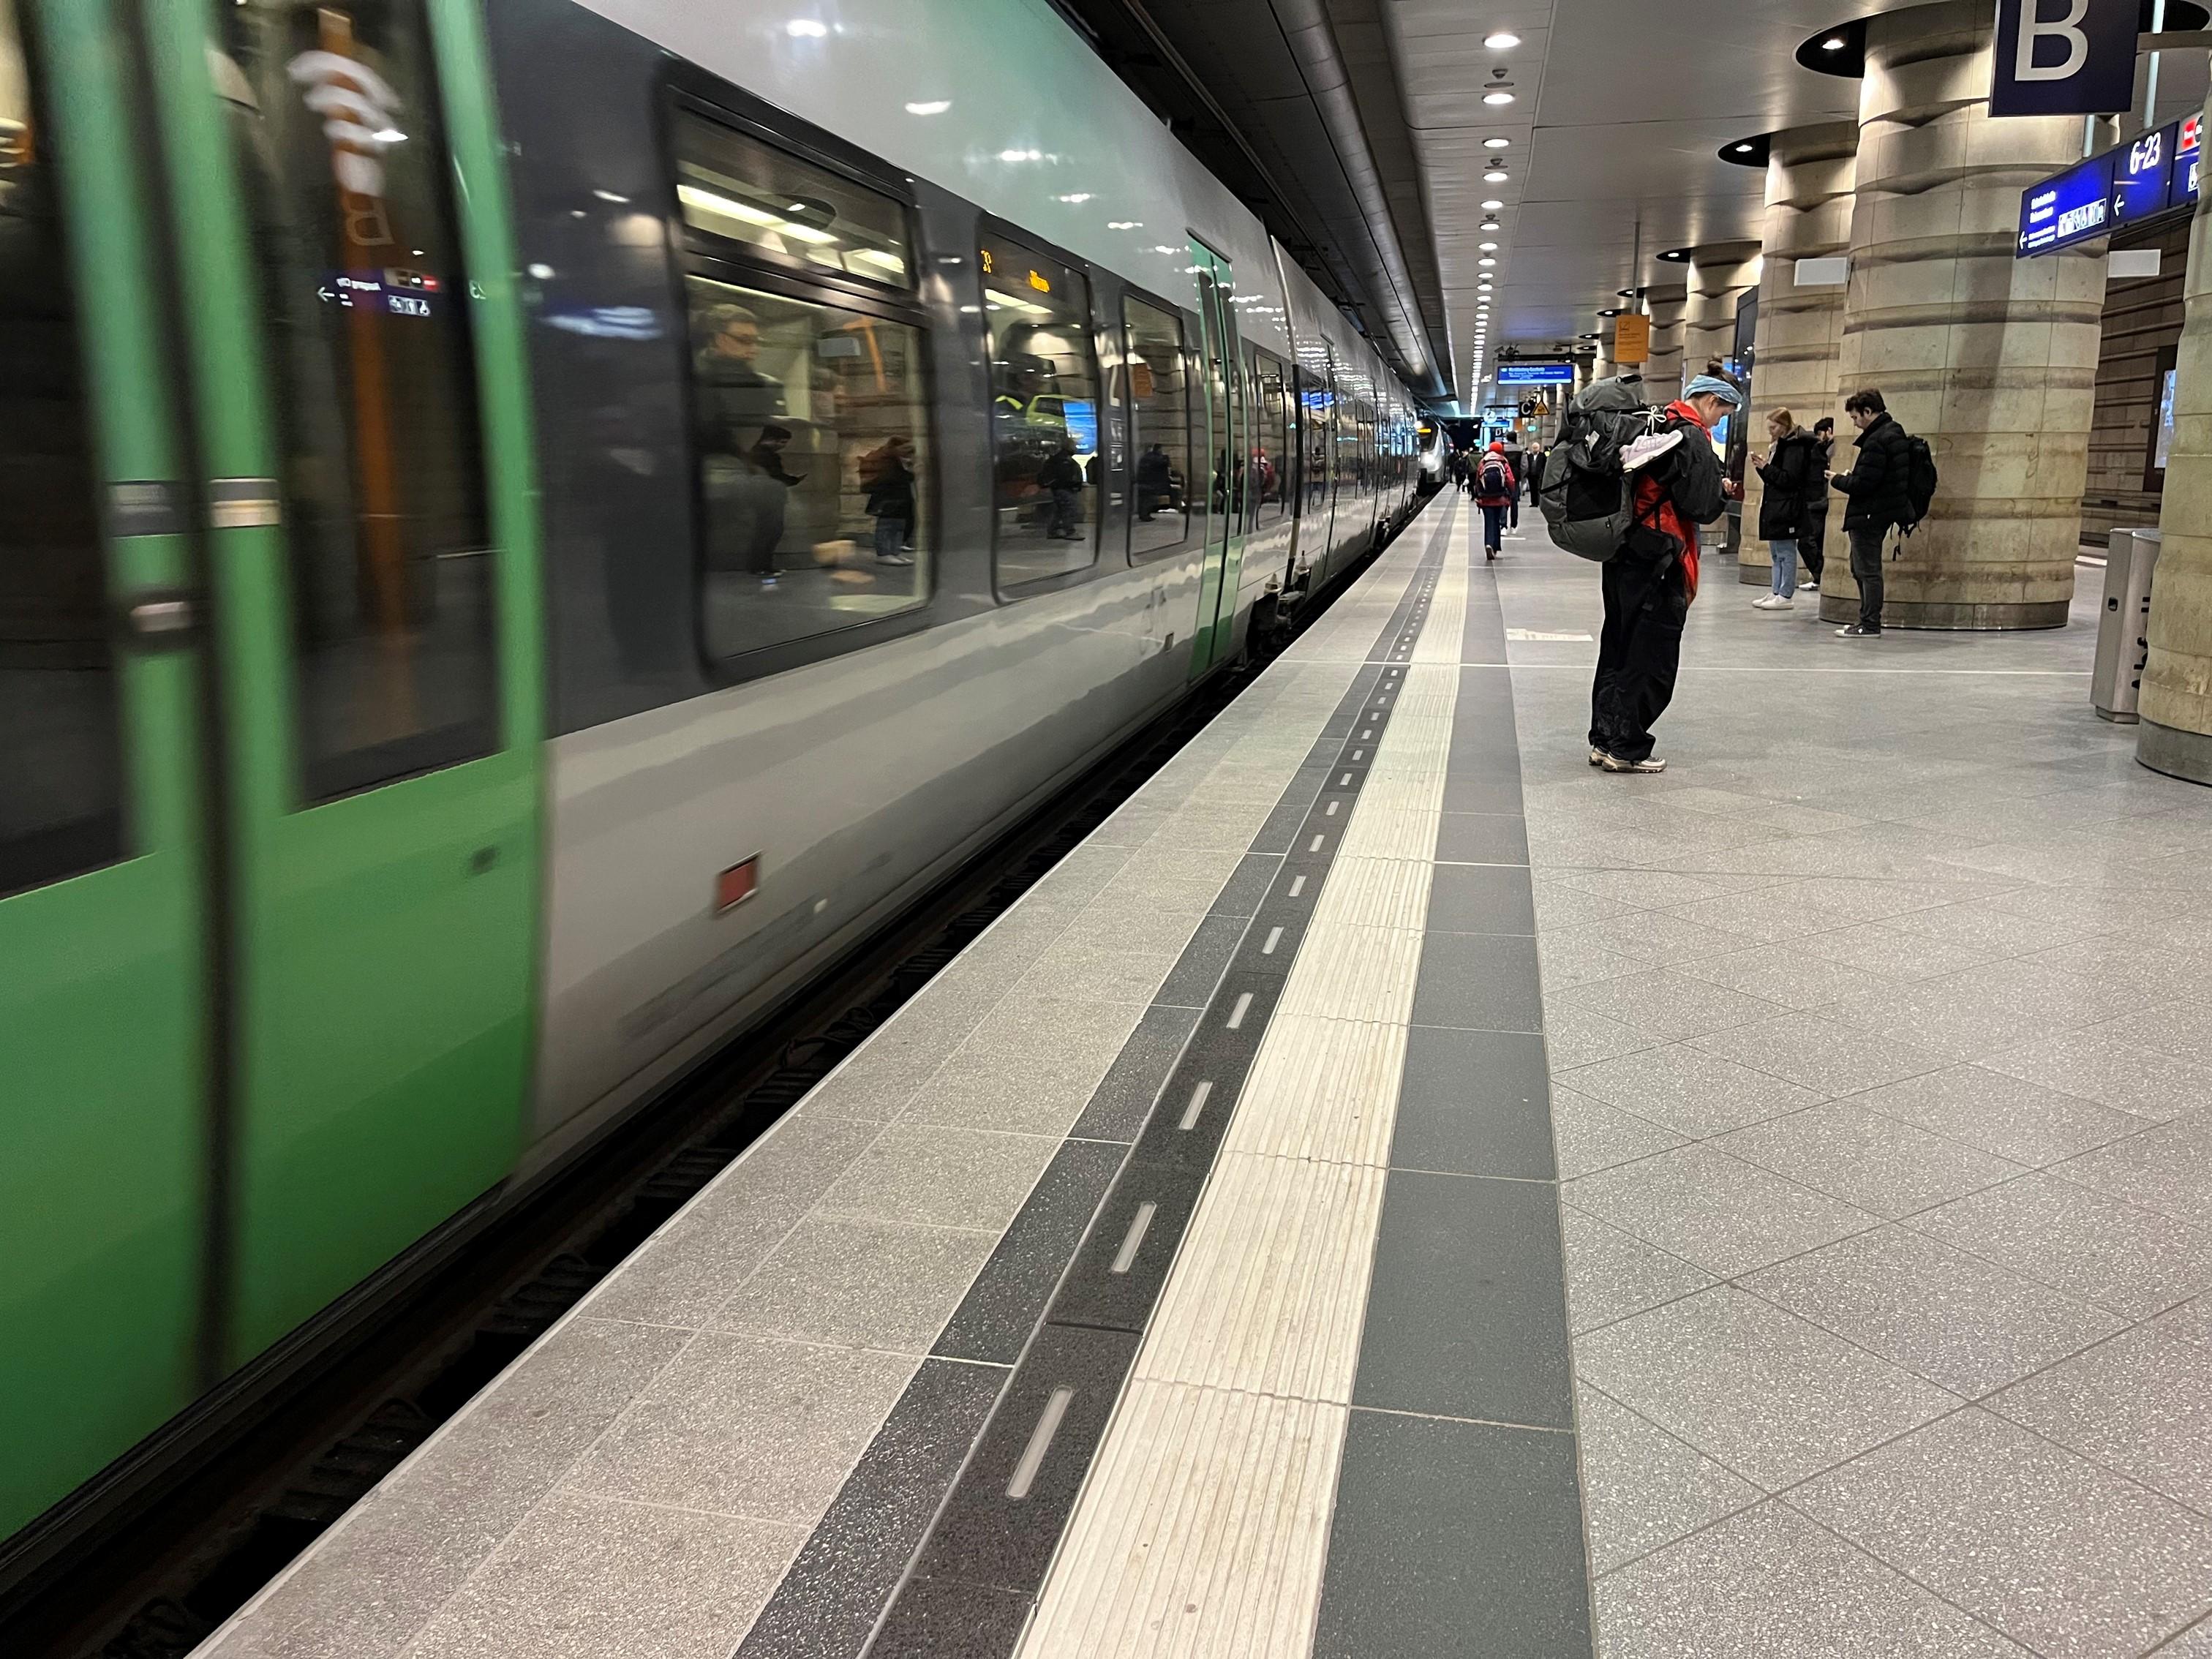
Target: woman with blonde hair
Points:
(1790, 471)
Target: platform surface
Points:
(1395, 1190)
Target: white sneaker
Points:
(1613, 763)
(1649, 447)
(1808, 587)
(892, 558)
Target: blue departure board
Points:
(2071, 208)
(2142, 175)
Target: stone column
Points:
(1663, 373)
(1808, 217)
(2176, 733)
(1721, 274)
(1992, 359)
(1602, 367)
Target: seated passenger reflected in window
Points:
(807, 418)
(1044, 413)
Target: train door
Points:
(342, 259)
(1225, 447)
(103, 1129)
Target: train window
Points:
(1044, 413)
(60, 748)
(811, 431)
(1159, 428)
(785, 210)
(1271, 449)
(375, 388)
(1314, 422)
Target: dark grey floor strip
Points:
(1067, 1290)
(1458, 1526)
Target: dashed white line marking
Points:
(1243, 1007)
(1132, 1241)
(1298, 885)
(1318, 841)
(1197, 1104)
(1274, 938)
(1048, 1425)
(1332, 806)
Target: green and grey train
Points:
(526, 529)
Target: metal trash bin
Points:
(2124, 626)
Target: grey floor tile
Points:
(2139, 1404)
(1643, 1487)
(1572, 956)
(2063, 1556)
(1558, 905)
(2164, 1166)
(1963, 1324)
(1770, 1396)
(747, 1425)
(1030, 1068)
(1003, 1306)
(1573, 1038)
(1483, 838)
(2016, 1120)
(1820, 1053)
(2098, 1064)
(1889, 1168)
(1611, 1275)
(1244, 890)
(1693, 1093)
(683, 1273)
(1466, 1305)
(864, 1284)
(595, 1579)
(1669, 1005)
(1979, 927)
(945, 1619)
(1591, 1135)
(1479, 981)
(1200, 968)
(2131, 1260)
(1123, 1099)
(1727, 1216)
(942, 1177)
(1770, 1584)
(1789, 975)
(1665, 939)
(1077, 974)
(1474, 1103)
(1480, 898)
(828, 1601)
(1445, 1530)
(1890, 953)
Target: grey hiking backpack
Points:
(1588, 503)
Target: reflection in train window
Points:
(1270, 443)
(375, 385)
(810, 430)
(1044, 413)
(787, 211)
(60, 756)
(1159, 428)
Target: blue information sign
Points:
(1535, 374)
(2142, 175)
(2188, 146)
(2071, 208)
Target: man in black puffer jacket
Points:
(1875, 487)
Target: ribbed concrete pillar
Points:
(1602, 367)
(1992, 359)
(1808, 217)
(2176, 733)
(1721, 274)
(1662, 375)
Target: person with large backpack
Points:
(1890, 485)
(1495, 487)
(1630, 485)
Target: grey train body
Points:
(861, 765)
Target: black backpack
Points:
(1919, 481)
(1588, 505)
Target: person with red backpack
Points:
(1495, 487)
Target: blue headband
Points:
(1724, 390)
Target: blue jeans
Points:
(1493, 526)
(1784, 551)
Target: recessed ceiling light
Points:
(1495, 176)
(1496, 143)
(1487, 247)
(1745, 149)
(933, 106)
(1833, 43)
(1495, 99)
(806, 28)
(1125, 224)
(1492, 205)
(1486, 264)
(1504, 40)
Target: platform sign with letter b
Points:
(2064, 56)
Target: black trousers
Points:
(1866, 570)
(1809, 546)
(1638, 653)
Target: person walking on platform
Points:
(1875, 488)
(1532, 471)
(1791, 472)
(1653, 576)
(1495, 489)
(1814, 531)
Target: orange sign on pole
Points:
(1631, 339)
